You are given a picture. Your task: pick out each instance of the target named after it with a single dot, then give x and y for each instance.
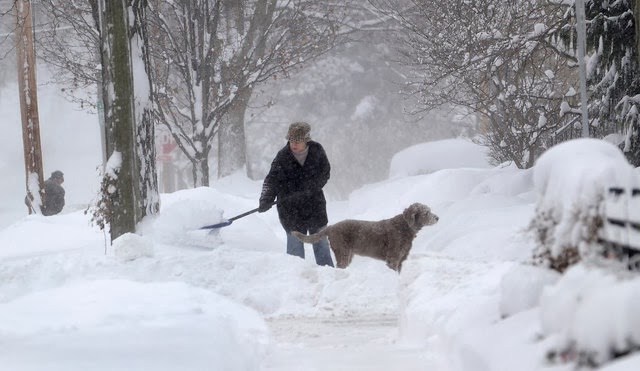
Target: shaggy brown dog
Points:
(389, 240)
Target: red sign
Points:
(167, 142)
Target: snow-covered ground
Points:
(179, 298)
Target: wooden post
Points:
(29, 103)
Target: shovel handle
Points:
(230, 220)
(243, 214)
(249, 212)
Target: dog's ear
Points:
(410, 214)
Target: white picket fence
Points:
(621, 230)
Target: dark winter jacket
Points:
(54, 197)
(298, 189)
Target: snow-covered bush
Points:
(570, 180)
(590, 316)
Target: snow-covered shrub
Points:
(99, 209)
(570, 180)
(591, 316)
(585, 224)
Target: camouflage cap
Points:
(299, 132)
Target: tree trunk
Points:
(633, 155)
(119, 117)
(201, 169)
(232, 148)
(148, 198)
(636, 14)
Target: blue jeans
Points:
(320, 249)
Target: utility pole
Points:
(29, 104)
(582, 42)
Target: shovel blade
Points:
(218, 225)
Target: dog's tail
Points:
(312, 238)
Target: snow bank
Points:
(439, 296)
(428, 157)
(131, 246)
(522, 286)
(181, 216)
(120, 324)
(36, 234)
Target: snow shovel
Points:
(230, 220)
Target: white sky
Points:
(182, 299)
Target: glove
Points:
(264, 206)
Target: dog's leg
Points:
(395, 259)
(350, 257)
(394, 265)
(401, 260)
(342, 260)
(392, 259)
(340, 250)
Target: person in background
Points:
(298, 173)
(53, 194)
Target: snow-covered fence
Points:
(620, 233)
